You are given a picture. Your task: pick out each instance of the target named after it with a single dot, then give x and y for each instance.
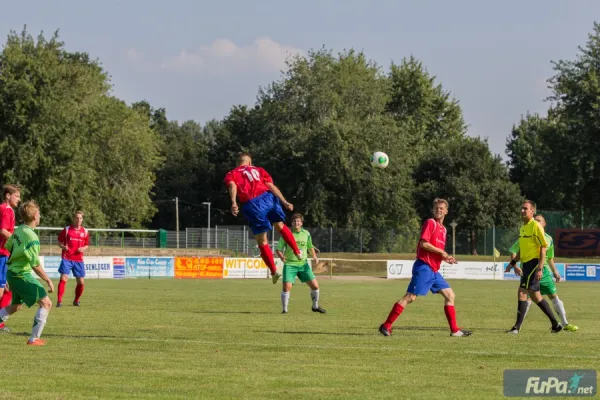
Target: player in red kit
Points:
(425, 272)
(74, 241)
(11, 195)
(261, 203)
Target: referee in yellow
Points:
(532, 253)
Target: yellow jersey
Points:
(531, 240)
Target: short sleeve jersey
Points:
(434, 233)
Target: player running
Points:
(24, 247)
(261, 204)
(74, 241)
(425, 272)
(547, 286)
(532, 252)
(11, 195)
(293, 267)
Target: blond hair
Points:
(27, 211)
(438, 200)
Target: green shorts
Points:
(25, 289)
(547, 285)
(303, 272)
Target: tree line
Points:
(71, 144)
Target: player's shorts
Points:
(547, 285)
(304, 273)
(529, 279)
(262, 211)
(26, 289)
(78, 268)
(425, 279)
(3, 269)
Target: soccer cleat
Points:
(319, 310)
(284, 312)
(385, 331)
(275, 277)
(513, 331)
(570, 328)
(4, 328)
(557, 328)
(461, 333)
(58, 305)
(36, 342)
(76, 303)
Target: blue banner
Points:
(511, 276)
(50, 264)
(582, 272)
(119, 268)
(146, 267)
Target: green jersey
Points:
(304, 242)
(24, 247)
(549, 252)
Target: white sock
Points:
(314, 295)
(285, 300)
(3, 315)
(527, 310)
(39, 321)
(560, 310)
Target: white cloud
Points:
(224, 56)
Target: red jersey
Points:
(7, 221)
(251, 181)
(74, 239)
(434, 233)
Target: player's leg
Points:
(523, 304)
(39, 321)
(276, 216)
(419, 285)
(255, 212)
(559, 307)
(534, 293)
(5, 293)
(442, 287)
(307, 276)
(79, 274)
(289, 275)
(64, 270)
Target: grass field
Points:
(173, 339)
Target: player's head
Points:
(297, 221)
(78, 219)
(30, 213)
(440, 208)
(11, 194)
(528, 210)
(540, 218)
(244, 159)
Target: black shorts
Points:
(529, 279)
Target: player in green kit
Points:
(24, 248)
(294, 267)
(547, 285)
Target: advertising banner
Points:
(148, 267)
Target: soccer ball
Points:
(379, 159)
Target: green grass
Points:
(181, 339)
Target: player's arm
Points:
(86, 244)
(62, 240)
(539, 232)
(280, 247)
(275, 190)
(42, 274)
(313, 252)
(554, 269)
(232, 187)
(425, 245)
(6, 234)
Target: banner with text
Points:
(402, 269)
(240, 268)
(98, 267)
(148, 267)
(198, 267)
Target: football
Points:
(379, 159)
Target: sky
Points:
(199, 58)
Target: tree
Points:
(475, 182)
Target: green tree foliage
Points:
(67, 142)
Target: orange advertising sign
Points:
(198, 267)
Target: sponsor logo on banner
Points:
(98, 267)
(50, 265)
(577, 242)
(472, 270)
(399, 269)
(549, 382)
(198, 268)
(582, 272)
(118, 268)
(244, 268)
(147, 267)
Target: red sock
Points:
(6, 299)
(288, 236)
(451, 316)
(393, 316)
(61, 290)
(78, 291)
(267, 256)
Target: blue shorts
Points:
(78, 268)
(424, 279)
(3, 268)
(262, 211)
